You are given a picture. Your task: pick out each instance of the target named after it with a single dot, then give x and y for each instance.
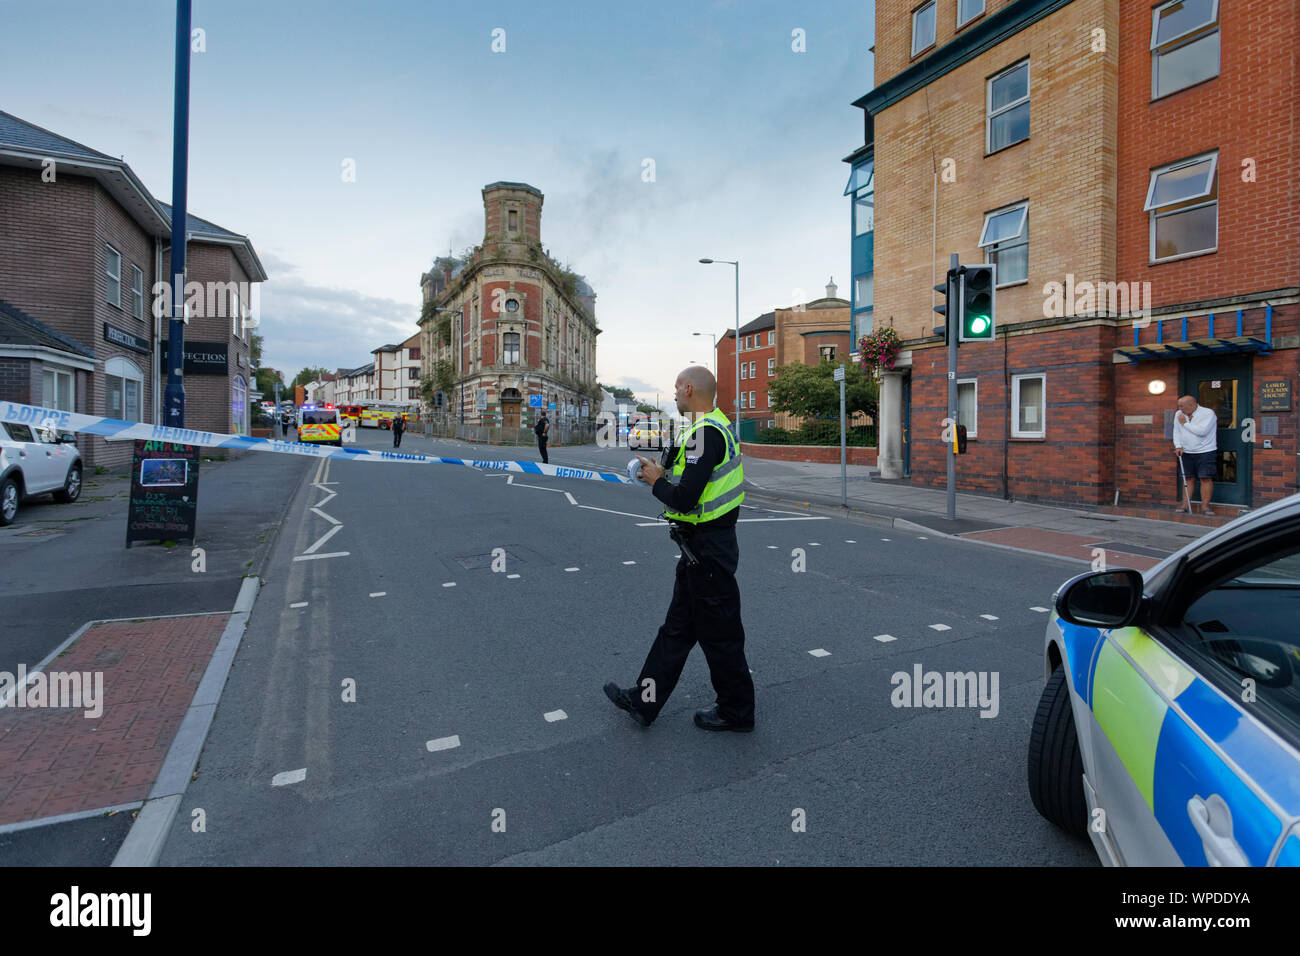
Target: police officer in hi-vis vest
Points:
(702, 508)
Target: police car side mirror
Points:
(1101, 598)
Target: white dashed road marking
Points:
(884, 539)
(989, 617)
(378, 593)
(443, 743)
(554, 715)
(512, 575)
(573, 569)
(849, 541)
(884, 638)
(940, 627)
(299, 604)
(1040, 610)
(629, 562)
(449, 584)
(819, 652)
(289, 776)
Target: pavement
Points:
(143, 625)
(1077, 534)
(163, 637)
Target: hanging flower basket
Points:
(880, 349)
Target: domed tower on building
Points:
(507, 330)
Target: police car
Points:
(34, 461)
(320, 425)
(1169, 730)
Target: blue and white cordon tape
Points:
(116, 428)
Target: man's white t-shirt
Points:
(1200, 432)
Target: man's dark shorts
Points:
(1200, 464)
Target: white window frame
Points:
(1193, 34)
(1019, 238)
(771, 367)
(753, 402)
(989, 112)
(52, 400)
(1155, 210)
(112, 277)
(124, 370)
(932, 6)
(744, 367)
(753, 369)
(504, 348)
(137, 292)
(771, 337)
(972, 430)
(1016, 431)
(743, 396)
(978, 13)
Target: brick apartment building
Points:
(1075, 143)
(806, 334)
(82, 242)
(516, 328)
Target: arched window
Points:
(238, 405)
(123, 389)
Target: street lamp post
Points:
(712, 336)
(737, 349)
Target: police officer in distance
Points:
(702, 507)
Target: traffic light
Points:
(976, 302)
(959, 440)
(946, 288)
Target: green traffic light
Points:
(979, 325)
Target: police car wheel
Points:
(1055, 764)
(71, 490)
(10, 496)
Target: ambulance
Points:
(320, 424)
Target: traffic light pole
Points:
(954, 332)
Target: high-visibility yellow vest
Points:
(723, 492)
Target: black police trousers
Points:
(541, 446)
(706, 610)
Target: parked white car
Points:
(35, 462)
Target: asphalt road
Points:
(453, 751)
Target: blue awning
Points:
(1197, 348)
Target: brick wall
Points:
(894, 31)
(1065, 169)
(1258, 222)
(819, 453)
(1074, 461)
(16, 381)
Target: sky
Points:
(745, 134)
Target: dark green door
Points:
(1224, 386)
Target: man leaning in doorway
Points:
(1196, 443)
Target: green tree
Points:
(266, 380)
(618, 392)
(810, 391)
(255, 342)
(307, 375)
(648, 408)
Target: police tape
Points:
(117, 429)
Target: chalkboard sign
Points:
(1275, 396)
(164, 492)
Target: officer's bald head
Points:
(696, 389)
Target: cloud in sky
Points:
(322, 326)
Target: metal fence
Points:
(572, 433)
(817, 431)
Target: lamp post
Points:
(728, 262)
(712, 336)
